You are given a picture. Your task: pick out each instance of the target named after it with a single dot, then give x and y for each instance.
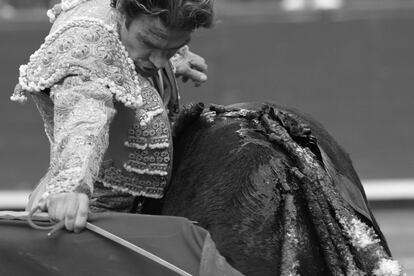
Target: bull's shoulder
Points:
(339, 156)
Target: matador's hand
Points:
(190, 66)
(69, 207)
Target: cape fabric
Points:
(26, 251)
(336, 161)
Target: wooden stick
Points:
(135, 248)
(56, 227)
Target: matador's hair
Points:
(177, 14)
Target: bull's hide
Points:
(277, 193)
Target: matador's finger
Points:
(71, 211)
(199, 64)
(82, 214)
(196, 76)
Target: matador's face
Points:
(150, 44)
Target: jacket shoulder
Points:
(86, 48)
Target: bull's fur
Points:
(269, 184)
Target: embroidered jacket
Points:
(85, 86)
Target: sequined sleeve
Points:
(83, 111)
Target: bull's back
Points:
(229, 178)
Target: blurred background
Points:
(348, 63)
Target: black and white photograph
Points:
(207, 137)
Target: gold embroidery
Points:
(85, 66)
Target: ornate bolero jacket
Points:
(104, 122)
